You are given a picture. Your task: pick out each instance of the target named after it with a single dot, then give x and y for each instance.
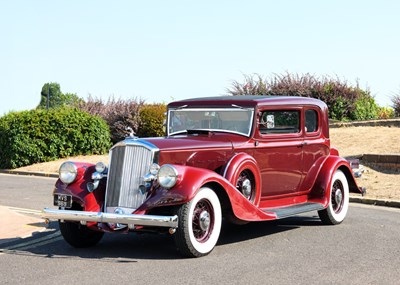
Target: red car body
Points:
(280, 164)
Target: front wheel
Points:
(199, 224)
(79, 235)
(338, 201)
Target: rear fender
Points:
(321, 189)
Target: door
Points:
(279, 151)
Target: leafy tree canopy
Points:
(52, 97)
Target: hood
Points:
(209, 151)
(185, 142)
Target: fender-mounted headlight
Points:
(68, 172)
(167, 176)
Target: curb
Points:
(375, 202)
(369, 123)
(29, 173)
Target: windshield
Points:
(233, 120)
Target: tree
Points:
(52, 97)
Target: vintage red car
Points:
(241, 158)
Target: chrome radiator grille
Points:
(129, 163)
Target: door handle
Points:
(303, 144)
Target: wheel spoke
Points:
(202, 232)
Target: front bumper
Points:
(100, 217)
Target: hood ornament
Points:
(131, 133)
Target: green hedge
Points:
(34, 136)
(152, 117)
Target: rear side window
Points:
(311, 121)
(280, 122)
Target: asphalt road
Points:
(364, 249)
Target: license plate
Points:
(63, 201)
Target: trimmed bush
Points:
(345, 102)
(34, 136)
(365, 108)
(152, 118)
(119, 114)
(385, 113)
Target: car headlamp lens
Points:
(154, 168)
(68, 172)
(167, 176)
(100, 167)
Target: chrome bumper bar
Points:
(100, 217)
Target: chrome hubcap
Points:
(205, 221)
(246, 188)
(338, 197)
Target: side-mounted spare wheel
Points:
(338, 200)
(199, 224)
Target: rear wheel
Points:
(338, 200)
(246, 185)
(79, 235)
(199, 224)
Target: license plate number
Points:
(63, 201)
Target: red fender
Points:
(320, 192)
(92, 202)
(236, 165)
(190, 180)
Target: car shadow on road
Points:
(125, 248)
(236, 233)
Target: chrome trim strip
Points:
(228, 165)
(100, 217)
(137, 142)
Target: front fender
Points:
(190, 180)
(320, 192)
(88, 201)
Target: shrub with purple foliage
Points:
(119, 114)
(345, 102)
(396, 104)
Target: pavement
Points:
(18, 223)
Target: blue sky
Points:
(165, 50)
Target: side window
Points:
(280, 122)
(311, 121)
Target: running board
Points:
(285, 212)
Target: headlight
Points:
(68, 172)
(100, 167)
(154, 168)
(167, 176)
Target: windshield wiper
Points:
(181, 107)
(240, 107)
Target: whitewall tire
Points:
(199, 224)
(338, 200)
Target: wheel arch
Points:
(238, 163)
(320, 191)
(223, 197)
(353, 187)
